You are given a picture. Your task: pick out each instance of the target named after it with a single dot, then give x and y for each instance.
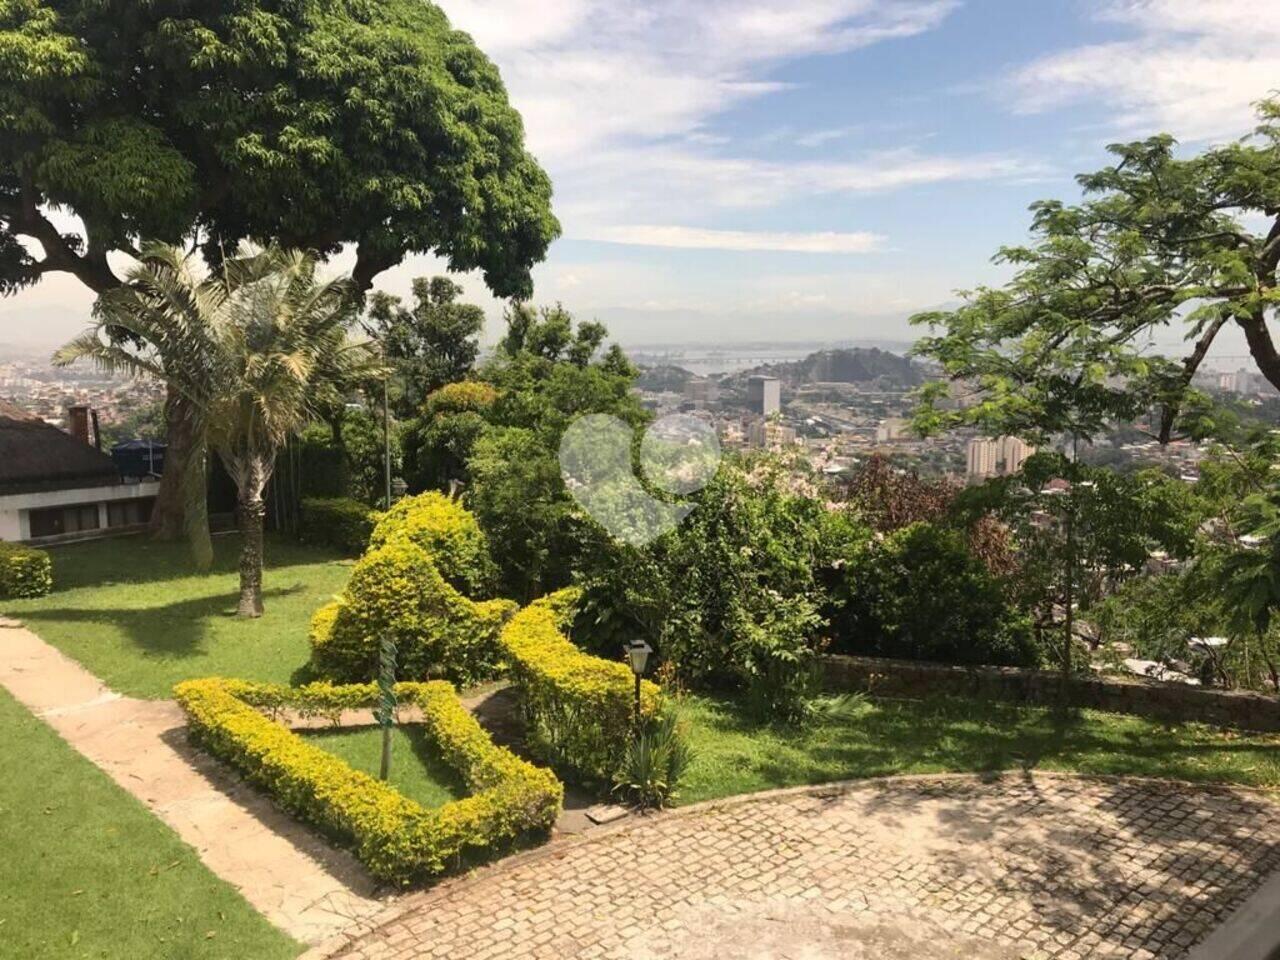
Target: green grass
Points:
(416, 769)
(134, 613)
(733, 755)
(88, 872)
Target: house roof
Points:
(36, 456)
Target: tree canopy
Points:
(307, 123)
(1159, 241)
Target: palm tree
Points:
(257, 347)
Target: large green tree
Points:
(1159, 241)
(428, 345)
(313, 124)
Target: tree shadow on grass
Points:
(173, 630)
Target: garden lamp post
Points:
(638, 654)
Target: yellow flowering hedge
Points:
(397, 839)
(447, 531)
(24, 571)
(398, 588)
(579, 708)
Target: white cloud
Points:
(1194, 68)
(586, 72)
(693, 238)
(617, 97)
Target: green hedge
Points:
(397, 589)
(579, 708)
(338, 522)
(447, 531)
(399, 840)
(24, 571)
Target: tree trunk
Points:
(251, 480)
(181, 506)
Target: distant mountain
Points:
(856, 365)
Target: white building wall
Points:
(15, 507)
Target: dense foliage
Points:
(920, 594)
(429, 345)
(733, 595)
(310, 123)
(397, 839)
(339, 522)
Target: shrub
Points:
(338, 522)
(24, 571)
(397, 588)
(447, 531)
(398, 840)
(654, 764)
(921, 595)
(579, 708)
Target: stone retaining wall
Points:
(1146, 698)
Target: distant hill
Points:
(856, 365)
(664, 378)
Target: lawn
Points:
(134, 612)
(88, 872)
(416, 769)
(733, 755)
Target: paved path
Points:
(303, 885)
(920, 868)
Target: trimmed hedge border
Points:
(397, 839)
(24, 571)
(579, 708)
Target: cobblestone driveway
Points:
(1028, 867)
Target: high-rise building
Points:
(1013, 453)
(764, 395)
(770, 435)
(982, 456)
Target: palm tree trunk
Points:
(251, 482)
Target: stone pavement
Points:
(299, 882)
(1025, 866)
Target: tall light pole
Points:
(386, 415)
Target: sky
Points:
(748, 170)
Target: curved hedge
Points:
(579, 708)
(444, 529)
(396, 838)
(407, 584)
(24, 571)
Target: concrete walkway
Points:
(300, 883)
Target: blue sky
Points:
(819, 169)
